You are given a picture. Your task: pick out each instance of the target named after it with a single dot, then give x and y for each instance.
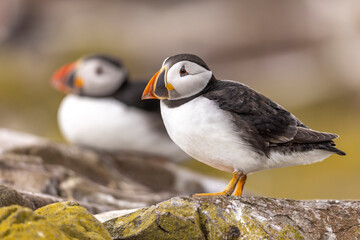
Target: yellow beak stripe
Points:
(169, 86)
(79, 82)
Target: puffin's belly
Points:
(207, 133)
(105, 123)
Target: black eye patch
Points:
(99, 70)
(183, 71)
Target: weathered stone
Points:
(97, 180)
(105, 216)
(10, 139)
(240, 218)
(30, 173)
(74, 220)
(9, 197)
(56, 221)
(21, 223)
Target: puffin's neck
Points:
(179, 102)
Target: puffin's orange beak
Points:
(149, 90)
(65, 80)
(157, 87)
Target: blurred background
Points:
(305, 55)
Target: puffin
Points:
(230, 126)
(103, 109)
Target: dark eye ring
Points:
(183, 71)
(99, 70)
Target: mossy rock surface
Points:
(65, 220)
(239, 218)
(186, 218)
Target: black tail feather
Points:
(291, 147)
(333, 149)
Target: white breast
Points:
(207, 133)
(107, 124)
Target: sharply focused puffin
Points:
(103, 109)
(230, 126)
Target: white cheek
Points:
(99, 85)
(188, 85)
(191, 84)
(103, 85)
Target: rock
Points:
(99, 181)
(65, 220)
(74, 220)
(105, 216)
(21, 223)
(10, 196)
(240, 218)
(10, 139)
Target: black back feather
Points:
(265, 124)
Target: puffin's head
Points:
(181, 76)
(95, 75)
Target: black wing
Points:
(266, 122)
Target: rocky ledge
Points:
(59, 221)
(208, 218)
(240, 218)
(43, 171)
(129, 194)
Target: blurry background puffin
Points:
(103, 109)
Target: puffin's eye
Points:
(183, 71)
(99, 70)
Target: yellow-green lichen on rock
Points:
(289, 232)
(74, 220)
(182, 218)
(223, 221)
(64, 220)
(218, 222)
(22, 223)
(227, 217)
(157, 222)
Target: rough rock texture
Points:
(35, 173)
(74, 220)
(240, 218)
(56, 221)
(9, 196)
(97, 180)
(105, 216)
